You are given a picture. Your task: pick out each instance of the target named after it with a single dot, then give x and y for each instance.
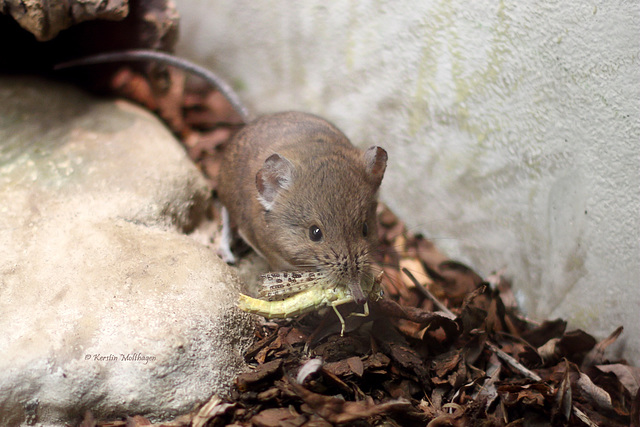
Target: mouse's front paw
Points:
(224, 252)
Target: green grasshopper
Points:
(303, 292)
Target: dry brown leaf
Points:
(278, 417)
(261, 373)
(635, 411)
(432, 320)
(446, 363)
(563, 401)
(339, 411)
(269, 394)
(584, 418)
(543, 333)
(513, 363)
(340, 368)
(356, 365)
(596, 356)
(376, 362)
(629, 376)
(489, 390)
(549, 352)
(459, 280)
(596, 395)
(212, 409)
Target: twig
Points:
(427, 293)
(512, 362)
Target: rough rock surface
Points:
(104, 304)
(45, 19)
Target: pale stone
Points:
(512, 127)
(104, 304)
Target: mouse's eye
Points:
(365, 230)
(315, 234)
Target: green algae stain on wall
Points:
(351, 45)
(425, 84)
(442, 43)
(419, 116)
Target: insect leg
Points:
(363, 314)
(343, 299)
(335, 308)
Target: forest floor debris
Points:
(445, 347)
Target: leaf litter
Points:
(444, 347)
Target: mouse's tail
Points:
(167, 59)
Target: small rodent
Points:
(303, 197)
(298, 191)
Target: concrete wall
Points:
(513, 128)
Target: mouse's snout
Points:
(356, 292)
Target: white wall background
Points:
(513, 128)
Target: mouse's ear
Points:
(375, 162)
(276, 175)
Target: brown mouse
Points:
(303, 196)
(297, 190)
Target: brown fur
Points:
(333, 186)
